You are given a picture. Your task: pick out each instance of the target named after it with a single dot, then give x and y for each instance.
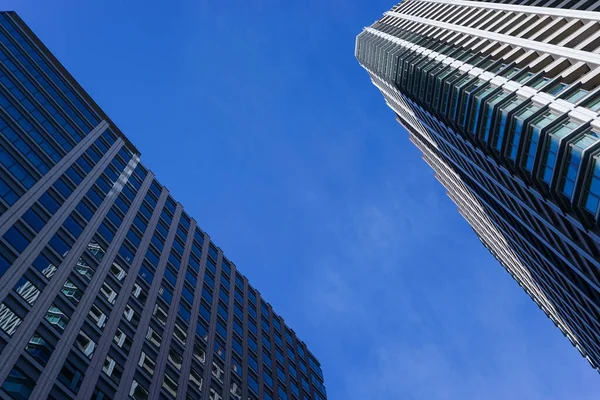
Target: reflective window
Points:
(502, 120)
(147, 363)
(556, 88)
(592, 190)
(70, 376)
(16, 239)
(534, 137)
(574, 162)
(27, 290)
(39, 349)
(551, 149)
(18, 384)
(517, 128)
(71, 291)
(137, 391)
(57, 318)
(594, 104)
(577, 95)
(160, 314)
(9, 321)
(97, 317)
(85, 344)
(153, 337)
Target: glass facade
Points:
(511, 128)
(108, 289)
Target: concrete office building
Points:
(502, 99)
(108, 289)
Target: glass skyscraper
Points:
(502, 98)
(108, 289)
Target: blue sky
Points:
(258, 118)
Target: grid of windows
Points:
(134, 297)
(511, 132)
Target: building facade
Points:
(502, 98)
(108, 289)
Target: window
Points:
(576, 95)
(187, 294)
(170, 276)
(170, 384)
(70, 376)
(146, 274)
(118, 272)
(551, 148)
(57, 318)
(219, 349)
(84, 269)
(16, 239)
(153, 337)
(131, 316)
(85, 344)
(112, 369)
(18, 384)
(266, 342)
(267, 378)
(533, 139)
(252, 344)
(221, 330)
(97, 317)
(109, 293)
(502, 120)
(236, 367)
(160, 314)
(195, 379)
(180, 333)
(555, 89)
(201, 330)
(252, 383)
(139, 293)
(591, 196)
(175, 357)
(34, 220)
(574, 161)
(218, 372)
(266, 358)
(147, 364)
(71, 291)
(517, 128)
(237, 346)
(199, 353)
(27, 290)
(204, 312)
(165, 294)
(39, 349)
(121, 339)
(137, 391)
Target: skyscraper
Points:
(502, 99)
(108, 289)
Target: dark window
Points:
(34, 220)
(146, 274)
(73, 227)
(4, 265)
(16, 239)
(18, 385)
(48, 201)
(84, 211)
(212, 252)
(204, 312)
(70, 376)
(187, 295)
(39, 349)
(170, 276)
(184, 313)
